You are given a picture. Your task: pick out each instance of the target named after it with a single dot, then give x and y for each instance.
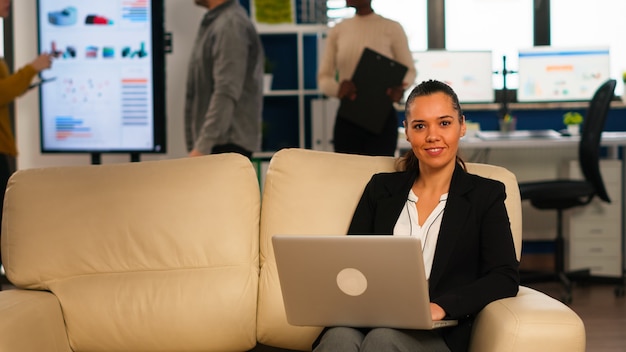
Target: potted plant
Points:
(572, 120)
(268, 75)
(507, 123)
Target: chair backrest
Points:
(589, 147)
(313, 192)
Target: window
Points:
(337, 10)
(599, 22)
(412, 16)
(502, 26)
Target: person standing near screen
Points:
(344, 46)
(224, 99)
(11, 87)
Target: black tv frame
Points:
(160, 46)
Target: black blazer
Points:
(474, 262)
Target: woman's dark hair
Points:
(409, 161)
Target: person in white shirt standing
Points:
(344, 46)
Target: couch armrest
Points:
(531, 321)
(31, 321)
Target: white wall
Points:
(182, 19)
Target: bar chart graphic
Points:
(135, 11)
(135, 102)
(69, 127)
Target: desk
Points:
(614, 141)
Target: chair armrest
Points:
(31, 321)
(531, 321)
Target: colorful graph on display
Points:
(86, 92)
(82, 97)
(561, 74)
(108, 93)
(135, 102)
(69, 127)
(135, 11)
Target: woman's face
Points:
(434, 129)
(5, 8)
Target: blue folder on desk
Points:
(520, 134)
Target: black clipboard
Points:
(374, 74)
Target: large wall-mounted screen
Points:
(561, 74)
(469, 73)
(105, 91)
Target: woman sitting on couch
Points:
(461, 219)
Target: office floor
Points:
(603, 313)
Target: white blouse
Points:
(408, 225)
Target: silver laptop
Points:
(357, 281)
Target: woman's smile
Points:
(434, 151)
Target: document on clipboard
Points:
(374, 74)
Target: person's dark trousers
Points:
(352, 139)
(5, 172)
(231, 148)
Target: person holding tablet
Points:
(344, 46)
(461, 219)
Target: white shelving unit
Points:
(299, 31)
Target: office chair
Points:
(562, 194)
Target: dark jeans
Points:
(352, 139)
(231, 148)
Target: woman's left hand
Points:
(395, 93)
(437, 312)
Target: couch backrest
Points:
(142, 256)
(312, 192)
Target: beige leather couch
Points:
(175, 256)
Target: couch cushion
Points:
(150, 256)
(305, 192)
